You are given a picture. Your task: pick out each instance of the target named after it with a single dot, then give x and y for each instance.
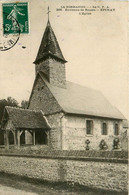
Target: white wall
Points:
(74, 133)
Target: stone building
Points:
(79, 118)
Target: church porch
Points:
(23, 127)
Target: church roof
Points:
(25, 118)
(77, 99)
(49, 46)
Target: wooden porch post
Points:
(15, 138)
(18, 138)
(34, 137)
(48, 135)
(6, 139)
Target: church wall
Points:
(28, 138)
(42, 99)
(55, 134)
(74, 134)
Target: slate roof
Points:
(25, 118)
(49, 46)
(77, 99)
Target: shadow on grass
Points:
(44, 187)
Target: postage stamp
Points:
(9, 40)
(13, 14)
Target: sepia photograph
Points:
(64, 97)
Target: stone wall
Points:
(57, 73)
(104, 175)
(44, 67)
(42, 98)
(55, 134)
(54, 71)
(74, 134)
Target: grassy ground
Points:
(26, 186)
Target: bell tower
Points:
(50, 60)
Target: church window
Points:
(89, 127)
(104, 128)
(116, 129)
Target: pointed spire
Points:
(49, 46)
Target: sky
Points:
(95, 46)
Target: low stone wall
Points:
(103, 174)
(47, 151)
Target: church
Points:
(62, 115)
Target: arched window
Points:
(116, 129)
(104, 128)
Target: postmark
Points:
(7, 41)
(16, 13)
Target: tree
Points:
(9, 102)
(24, 104)
(12, 102)
(3, 103)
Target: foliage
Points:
(9, 102)
(24, 104)
(12, 102)
(103, 145)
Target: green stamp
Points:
(15, 17)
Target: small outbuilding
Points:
(17, 123)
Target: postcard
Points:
(64, 96)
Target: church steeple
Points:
(50, 59)
(49, 46)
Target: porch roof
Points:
(27, 119)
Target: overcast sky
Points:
(95, 47)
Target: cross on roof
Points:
(48, 12)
